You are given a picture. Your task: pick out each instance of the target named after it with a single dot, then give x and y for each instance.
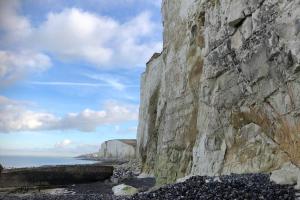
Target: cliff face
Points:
(117, 150)
(224, 95)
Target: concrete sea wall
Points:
(54, 175)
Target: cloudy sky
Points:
(69, 72)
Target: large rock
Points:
(289, 174)
(224, 94)
(124, 190)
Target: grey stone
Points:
(236, 13)
(289, 174)
(246, 28)
(124, 190)
(237, 40)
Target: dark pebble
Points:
(238, 187)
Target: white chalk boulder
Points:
(124, 190)
(183, 179)
(289, 174)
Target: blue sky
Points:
(70, 72)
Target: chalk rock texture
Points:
(224, 94)
(117, 150)
(124, 190)
(289, 174)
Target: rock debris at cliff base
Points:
(247, 186)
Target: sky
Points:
(70, 72)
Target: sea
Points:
(37, 161)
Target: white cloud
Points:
(106, 82)
(64, 83)
(116, 82)
(17, 27)
(14, 66)
(72, 149)
(113, 82)
(6, 101)
(88, 120)
(63, 144)
(15, 117)
(103, 41)
(74, 34)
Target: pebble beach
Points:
(239, 187)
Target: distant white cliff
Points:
(118, 149)
(114, 150)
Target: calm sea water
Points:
(36, 161)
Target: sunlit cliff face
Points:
(220, 97)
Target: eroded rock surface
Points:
(130, 169)
(124, 190)
(289, 174)
(122, 150)
(224, 94)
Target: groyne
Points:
(54, 175)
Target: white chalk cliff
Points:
(117, 150)
(224, 94)
(114, 150)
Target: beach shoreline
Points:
(235, 186)
(85, 188)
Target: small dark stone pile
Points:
(247, 186)
(126, 170)
(120, 174)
